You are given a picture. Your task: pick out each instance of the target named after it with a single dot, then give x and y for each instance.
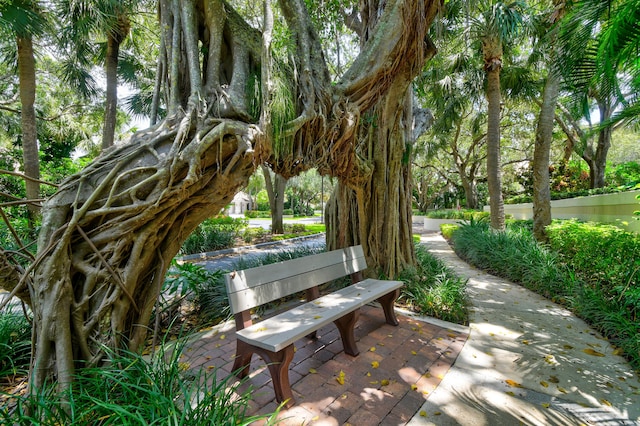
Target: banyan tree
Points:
(110, 232)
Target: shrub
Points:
(614, 271)
(216, 233)
(457, 214)
(432, 289)
(447, 229)
(204, 288)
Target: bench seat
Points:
(278, 332)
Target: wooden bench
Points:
(273, 338)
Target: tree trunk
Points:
(27, 77)
(376, 211)
(494, 174)
(599, 166)
(544, 135)
(275, 192)
(114, 39)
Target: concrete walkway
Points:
(527, 361)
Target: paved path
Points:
(528, 361)
(396, 370)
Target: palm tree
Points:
(546, 120)
(24, 20)
(85, 22)
(495, 25)
(600, 39)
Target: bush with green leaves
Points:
(564, 276)
(132, 389)
(215, 233)
(457, 214)
(205, 289)
(432, 289)
(605, 257)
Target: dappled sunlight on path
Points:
(529, 360)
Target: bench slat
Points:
(256, 286)
(278, 332)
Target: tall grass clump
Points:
(136, 390)
(15, 345)
(515, 255)
(434, 290)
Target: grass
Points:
(609, 306)
(133, 389)
(433, 289)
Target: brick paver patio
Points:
(397, 369)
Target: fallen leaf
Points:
(605, 402)
(427, 375)
(317, 317)
(593, 352)
(340, 378)
(222, 337)
(375, 364)
(561, 389)
(414, 353)
(554, 379)
(544, 384)
(372, 349)
(525, 342)
(423, 413)
(384, 382)
(414, 387)
(618, 351)
(313, 371)
(567, 347)
(545, 404)
(510, 393)
(437, 413)
(368, 374)
(513, 384)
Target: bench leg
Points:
(242, 359)
(278, 363)
(345, 326)
(387, 302)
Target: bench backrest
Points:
(256, 286)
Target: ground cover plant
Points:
(433, 289)
(136, 389)
(576, 276)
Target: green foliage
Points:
(448, 229)
(457, 214)
(15, 344)
(205, 289)
(514, 255)
(577, 275)
(614, 271)
(432, 289)
(213, 234)
(625, 174)
(134, 389)
(254, 214)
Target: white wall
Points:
(616, 209)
